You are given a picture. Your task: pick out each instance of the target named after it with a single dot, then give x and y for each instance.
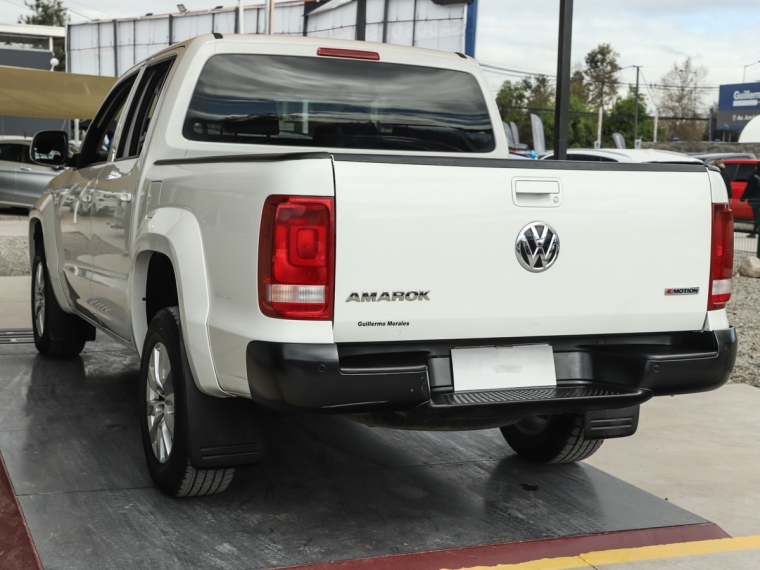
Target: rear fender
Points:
(175, 233)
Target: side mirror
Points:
(50, 148)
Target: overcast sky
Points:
(522, 34)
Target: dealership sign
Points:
(738, 104)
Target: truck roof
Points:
(294, 45)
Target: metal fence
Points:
(744, 246)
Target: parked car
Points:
(317, 226)
(625, 155)
(22, 181)
(739, 172)
(710, 158)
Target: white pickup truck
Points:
(311, 225)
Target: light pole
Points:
(636, 113)
(636, 104)
(562, 107)
(744, 77)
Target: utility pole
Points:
(562, 108)
(601, 115)
(636, 112)
(271, 17)
(241, 18)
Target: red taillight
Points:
(721, 257)
(296, 258)
(349, 53)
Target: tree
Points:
(622, 117)
(48, 13)
(540, 91)
(578, 86)
(601, 72)
(511, 100)
(681, 98)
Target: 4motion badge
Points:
(682, 291)
(537, 247)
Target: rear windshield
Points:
(341, 103)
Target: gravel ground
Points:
(743, 313)
(14, 253)
(743, 308)
(14, 256)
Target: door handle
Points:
(120, 196)
(25, 169)
(537, 192)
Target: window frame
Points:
(136, 108)
(125, 85)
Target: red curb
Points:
(17, 549)
(516, 552)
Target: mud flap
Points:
(607, 424)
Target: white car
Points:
(324, 226)
(642, 155)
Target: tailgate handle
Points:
(543, 193)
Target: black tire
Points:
(47, 315)
(551, 439)
(169, 463)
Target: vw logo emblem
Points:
(537, 247)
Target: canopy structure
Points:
(51, 95)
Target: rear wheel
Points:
(47, 314)
(551, 438)
(164, 376)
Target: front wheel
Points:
(164, 375)
(47, 315)
(551, 438)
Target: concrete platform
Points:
(15, 302)
(330, 490)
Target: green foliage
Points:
(48, 13)
(622, 117)
(601, 74)
(512, 97)
(518, 99)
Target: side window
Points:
(142, 109)
(25, 158)
(732, 169)
(11, 152)
(102, 129)
(744, 172)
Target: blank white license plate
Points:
(499, 367)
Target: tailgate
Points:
(448, 232)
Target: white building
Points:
(111, 47)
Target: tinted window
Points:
(324, 102)
(731, 169)
(11, 152)
(744, 172)
(143, 105)
(589, 157)
(100, 135)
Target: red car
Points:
(739, 171)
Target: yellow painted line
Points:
(592, 559)
(672, 550)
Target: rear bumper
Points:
(593, 373)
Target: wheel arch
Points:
(42, 232)
(173, 236)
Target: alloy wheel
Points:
(39, 299)
(160, 400)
